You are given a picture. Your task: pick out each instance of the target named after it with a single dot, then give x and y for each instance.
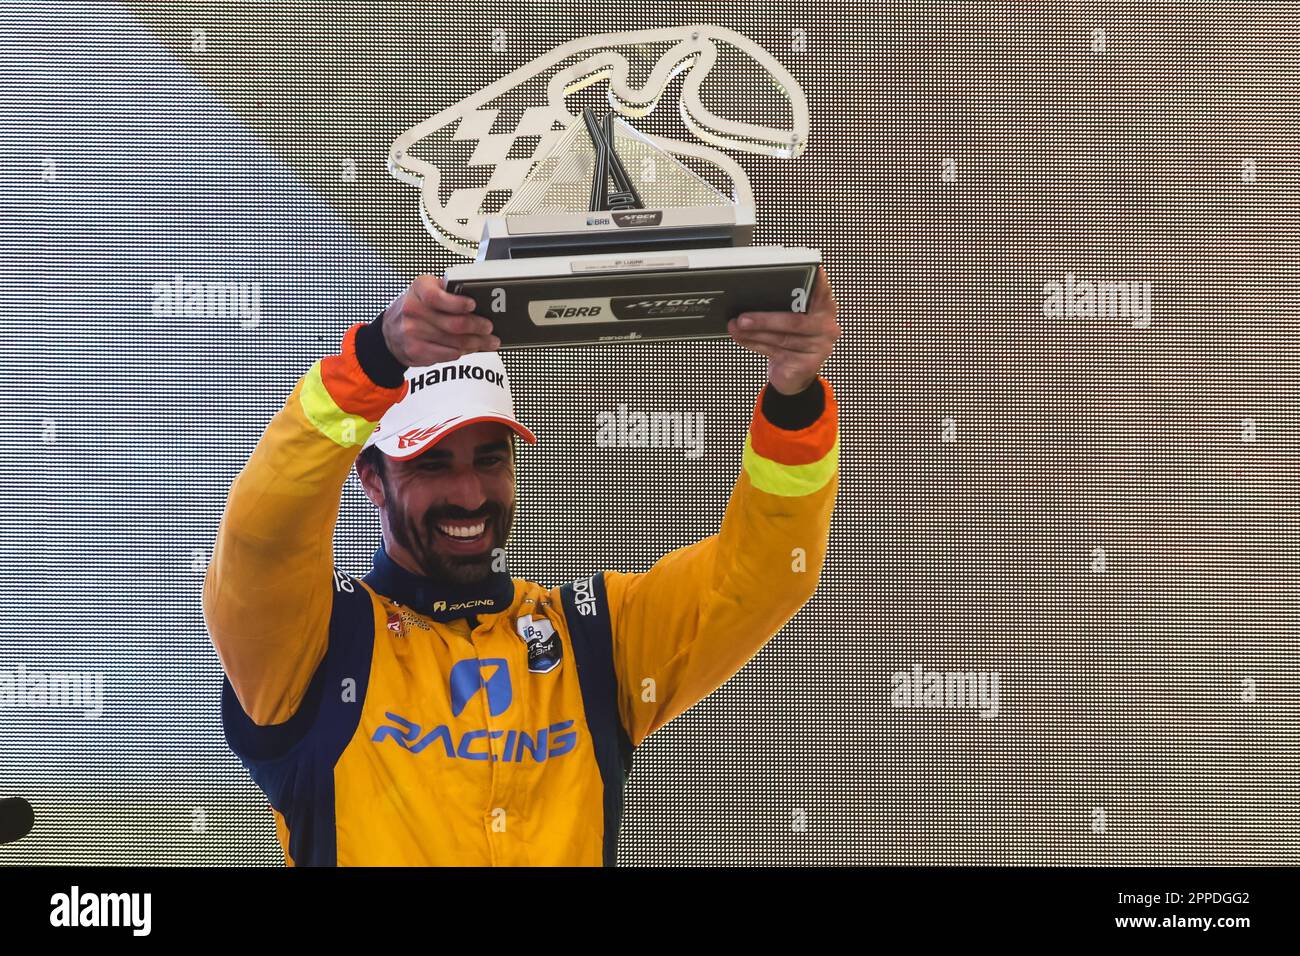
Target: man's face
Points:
(446, 510)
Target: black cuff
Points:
(793, 412)
(375, 359)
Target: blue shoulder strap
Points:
(586, 610)
(293, 762)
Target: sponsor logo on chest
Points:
(544, 647)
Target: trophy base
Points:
(638, 297)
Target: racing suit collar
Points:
(440, 600)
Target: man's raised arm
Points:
(268, 592)
(689, 623)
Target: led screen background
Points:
(1100, 510)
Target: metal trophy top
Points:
(575, 175)
(598, 232)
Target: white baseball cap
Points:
(444, 397)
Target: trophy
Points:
(598, 232)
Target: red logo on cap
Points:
(416, 435)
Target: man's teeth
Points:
(467, 531)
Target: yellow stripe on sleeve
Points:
(330, 420)
(790, 481)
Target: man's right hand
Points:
(426, 324)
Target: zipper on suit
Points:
(474, 627)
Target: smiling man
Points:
(438, 711)
(440, 468)
(448, 542)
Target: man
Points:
(438, 711)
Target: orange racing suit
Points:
(390, 719)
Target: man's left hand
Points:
(796, 344)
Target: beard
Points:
(420, 537)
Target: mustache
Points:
(433, 516)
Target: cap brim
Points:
(393, 448)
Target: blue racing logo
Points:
(467, 680)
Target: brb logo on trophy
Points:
(589, 230)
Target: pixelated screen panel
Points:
(1057, 622)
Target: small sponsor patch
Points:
(395, 624)
(544, 647)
